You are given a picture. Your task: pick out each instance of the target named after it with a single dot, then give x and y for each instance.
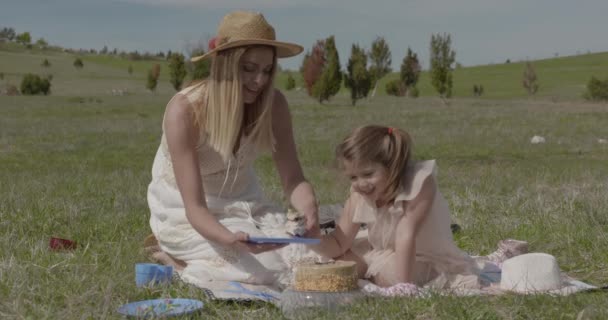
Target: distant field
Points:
(100, 75)
(562, 78)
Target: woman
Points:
(204, 198)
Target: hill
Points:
(559, 78)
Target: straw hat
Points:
(244, 28)
(536, 273)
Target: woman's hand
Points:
(311, 217)
(241, 241)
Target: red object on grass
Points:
(61, 244)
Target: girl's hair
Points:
(222, 116)
(390, 147)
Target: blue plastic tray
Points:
(284, 240)
(160, 308)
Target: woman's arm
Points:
(341, 239)
(182, 137)
(295, 186)
(416, 212)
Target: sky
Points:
(482, 31)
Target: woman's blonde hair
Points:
(390, 147)
(222, 115)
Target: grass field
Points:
(76, 164)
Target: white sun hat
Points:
(537, 273)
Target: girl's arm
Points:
(295, 186)
(341, 239)
(416, 212)
(182, 138)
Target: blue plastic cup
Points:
(151, 273)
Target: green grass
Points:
(79, 169)
(76, 164)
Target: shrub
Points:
(130, 69)
(1, 75)
(78, 63)
(597, 90)
(32, 84)
(477, 90)
(46, 63)
(152, 79)
(530, 80)
(291, 82)
(395, 88)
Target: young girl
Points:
(408, 220)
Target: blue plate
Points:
(160, 308)
(284, 240)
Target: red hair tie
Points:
(390, 130)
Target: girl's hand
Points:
(241, 242)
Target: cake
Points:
(334, 276)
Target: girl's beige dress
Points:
(235, 198)
(439, 262)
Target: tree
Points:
(201, 68)
(41, 43)
(78, 63)
(177, 70)
(152, 79)
(410, 71)
(529, 79)
(24, 38)
(290, 83)
(331, 78)
(7, 34)
(312, 66)
(104, 50)
(46, 63)
(358, 78)
(380, 61)
(442, 58)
